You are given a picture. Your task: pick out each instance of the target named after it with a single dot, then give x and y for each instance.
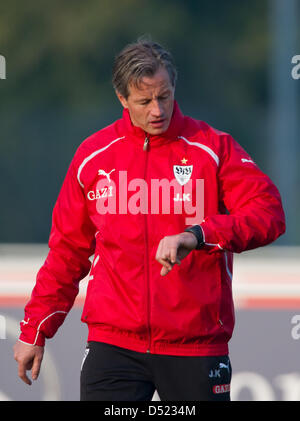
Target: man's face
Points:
(150, 105)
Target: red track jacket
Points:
(124, 191)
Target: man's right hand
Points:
(28, 357)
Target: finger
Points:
(171, 257)
(165, 263)
(168, 267)
(163, 250)
(158, 251)
(164, 271)
(36, 368)
(22, 374)
(173, 254)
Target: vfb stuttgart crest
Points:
(182, 173)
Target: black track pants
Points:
(110, 373)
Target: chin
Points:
(156, 132)
(160, 130)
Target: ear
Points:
(122, 99)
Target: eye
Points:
(164, 96)
(145, 102)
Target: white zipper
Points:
(146, 143)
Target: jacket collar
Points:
(138, 135)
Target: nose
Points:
(157, 109)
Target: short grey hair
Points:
(139, 59)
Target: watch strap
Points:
(197, 231)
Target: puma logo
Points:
(247, 160)
(107, 175)
(222, 365)
(217, 372)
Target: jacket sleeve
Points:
(71, 243)
(254, 215)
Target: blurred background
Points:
(234, 61)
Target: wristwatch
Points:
(197, 231)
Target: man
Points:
(162, 201)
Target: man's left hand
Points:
(172, 249)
